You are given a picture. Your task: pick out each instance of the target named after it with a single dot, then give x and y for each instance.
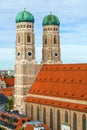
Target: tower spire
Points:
(51, 40)
(25, 59)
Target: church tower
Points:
(25, 58)
(51, 40)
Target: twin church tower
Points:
(26, 67)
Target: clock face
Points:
(29, 53)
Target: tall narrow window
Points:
(66, 117)
(32, 112)
(58, 120)
(18, 39)
(51, 119)
(28, 39)
(44, 115)
(83, 122)
(74, 121)
(55, 40)
(38, 115)
(45, 40)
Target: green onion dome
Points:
(24, 16)
(50, 20)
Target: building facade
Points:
(2, 84)
(58, 97)
(52, 92)
(26, 68)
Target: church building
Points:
(52, 92)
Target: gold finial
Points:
(50, 12)
(24, 9)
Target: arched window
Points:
(38, 114)
(83, 122)
(66, 117)
(44, 115)
(58, 120)
(45, 40)
(32, 111)
(18, 39)
(28, 39)
(51, 119)
(55, 40)
(74, 121)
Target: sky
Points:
(73, 28)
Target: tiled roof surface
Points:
(60, 104)
(31, 127)
(62, 80)
(3, 99)
(1, 77)
(17, 120)
(9, 81)
(7, 91)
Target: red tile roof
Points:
(62, 80)
(31, 127)
(7, 91)
(17, 123)
(1, 77)
(60, 104)
(9, 81)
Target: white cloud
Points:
(7, 56)
(69, 54)
(74, 53)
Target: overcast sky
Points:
(73, 28)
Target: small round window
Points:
(18, 53)
(29, 53)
